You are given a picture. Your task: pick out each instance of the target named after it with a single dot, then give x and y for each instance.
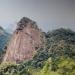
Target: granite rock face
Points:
(26, 39)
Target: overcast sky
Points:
(49, 14)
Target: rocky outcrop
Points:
(26, 39)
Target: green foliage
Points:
(8, 69)
(57, 57)
(39, 58)
(13, 69)
(4, 38)
(66, 66)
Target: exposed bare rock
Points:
(26, 39)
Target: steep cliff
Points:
(26, 39)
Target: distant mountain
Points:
(4, 38)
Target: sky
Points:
(49, 14)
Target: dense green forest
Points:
(57, 57)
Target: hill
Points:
(57, 57)
(53, 53)
(61, 41)
(4, 38)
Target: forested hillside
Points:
(56, 57)
(4, 38)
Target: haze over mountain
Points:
(49, 14)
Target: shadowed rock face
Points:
(25, 40)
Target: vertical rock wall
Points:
(24, 42)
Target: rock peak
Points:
(24, 22)
(25, 42)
